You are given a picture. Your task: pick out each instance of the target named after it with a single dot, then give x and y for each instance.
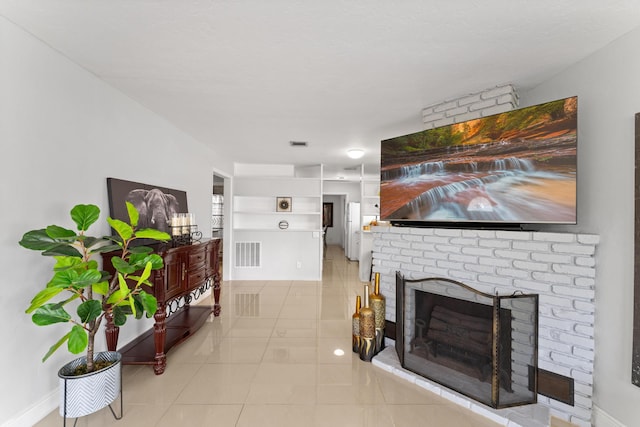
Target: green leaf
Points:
(49, 314)
(63, 278)
(133, 214)
(133, 277)
(57, 232)
(122, 266)
(87, 278)
(132, 305)
(59, 304)
(78, 339)
(139, 261)
(145, 274)
(90, 241)
(66, 262)
(156, 261)
(149, 302)
(62, 249)
(150, 233)
(101, 288)
(119, 316)
(42, 297)
(37, 240)
(85, 215)
(89, 310)
(139, 307)
(140, 250)
(56, 346)
(107, 248)
(122, 293)
(117, 240)
(124, 230)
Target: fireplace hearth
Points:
(480, 345)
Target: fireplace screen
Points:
(483, 346)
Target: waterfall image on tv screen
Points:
(516, 167)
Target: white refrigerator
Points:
(353, 231)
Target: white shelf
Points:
(370, 197)
(267, 204)
(255, 203)
(287, 230)
(277, 213)
(371, 188)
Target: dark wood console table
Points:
(188, 272)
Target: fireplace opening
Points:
(458, 334)
(483, 346)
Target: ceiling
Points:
(248, 76)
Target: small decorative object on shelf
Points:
(283, 204)
(184, 230)
(378, 304)
(367, 329)
(355, 322)
(283, 225)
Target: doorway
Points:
(217, 207)
(335, 231)
(218, 213)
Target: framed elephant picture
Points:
(156, 205)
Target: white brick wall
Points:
(473, 106)
(560, 267)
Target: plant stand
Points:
(82, 395)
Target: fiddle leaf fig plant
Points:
(79, 282)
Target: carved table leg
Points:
(159, 335)
(216, 294)
(111, 332)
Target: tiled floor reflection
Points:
(269, 360)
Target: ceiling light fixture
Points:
(355, 153)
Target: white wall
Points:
(350, 188)
(608, 88)
(63, 132)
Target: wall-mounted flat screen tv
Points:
(517, 167)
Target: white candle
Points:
(175, 225)
(185, 223)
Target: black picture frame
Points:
(155, 204)
(327, 214)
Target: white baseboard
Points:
(602, 419)
(36, 412)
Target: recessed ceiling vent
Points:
(298, 143)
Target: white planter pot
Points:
(85, 394)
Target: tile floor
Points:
(269, 360)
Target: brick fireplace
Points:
(559, 267)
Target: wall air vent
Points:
(248, 254)
(298, 143)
